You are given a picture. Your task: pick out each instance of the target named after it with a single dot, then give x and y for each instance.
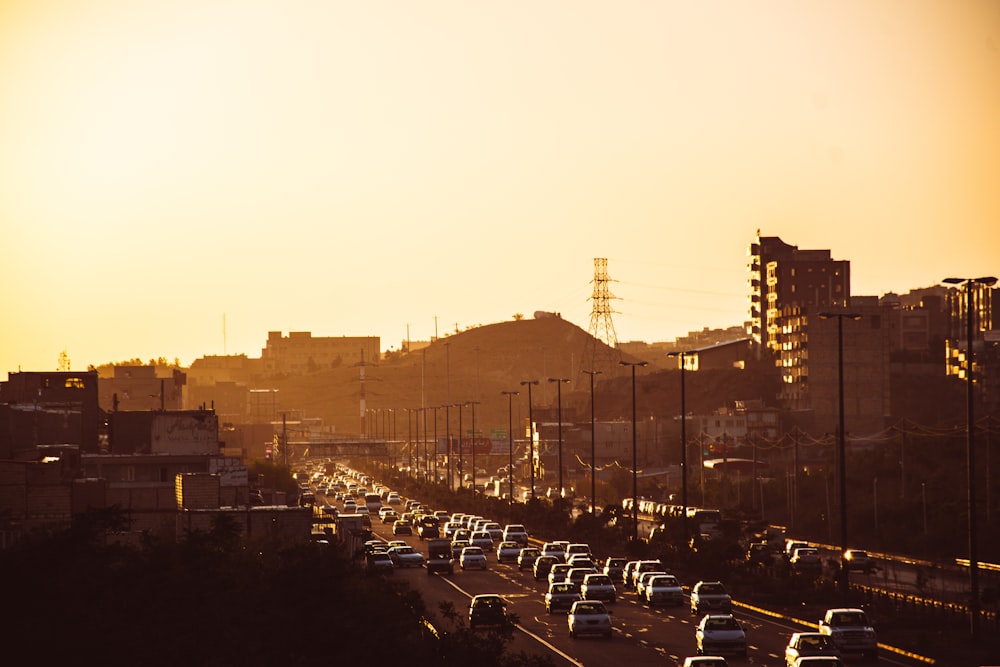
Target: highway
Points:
(642, 636)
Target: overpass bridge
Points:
(345, 446)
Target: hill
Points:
(479, 364)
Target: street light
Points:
(460, 463)
(447, 438)
(684, 455)
(435, 443)
(473, 405)
(510, 443)
(970, 452)
(841, 442)
(531, 435)
(593, 447)
(635, 464)
(559, 383)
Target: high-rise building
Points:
(784, 280)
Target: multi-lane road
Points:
(642, 636)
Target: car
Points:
(577, 549)
(428, 527)
(818, 661)
(598, 586)
(508, 552)
(526, 557)
(720, 634)
(640, 584)
(402, 527)
(557, 549)
(710, 597)
(806, 559)
(542, 566)
(406, 556)
(482, 539)
(350, 507)
(472, 557)
(802, 644)
(663, 589)
(457, 546)
(758, 554)
(705, 661)
(374, 546)
(488, 610)
(462, 534)
(627, 573)
(581, 560)
(495, 530)
(516, 532)
(385, 511)
(394, 499)
(558, 572)
(589, 617)
(851, 631)
(858, 560)
(578, 574)
(378, 562)
(450, 527)
(645, 566)
(613, 567)
(561, 596)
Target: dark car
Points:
(487, 610)
(542, 566)
(561, 595)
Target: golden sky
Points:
(373, 168)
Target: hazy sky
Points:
(355, 168)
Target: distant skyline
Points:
(379, 168)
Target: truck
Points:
(851, 631)
(439, 556)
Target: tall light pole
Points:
(684, 450)
(841, 441)
(970, 451)
(593, 446)
(531, 435)
(460, 466)
(473, 405)
(435, 443)
(559, 383)
(635, 456)
(447, 438)
(510, 443)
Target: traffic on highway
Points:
(574, 602)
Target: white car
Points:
(507, 552)
(589, 617)
(472, 558)
(663, 589)
(598, 587)
(721, 634)
(482, 539)
(705, 661)
(406, 556)
(710, 597)
(643, 580)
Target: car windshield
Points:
(721, 624)
(589, 608)
(711, 589)
(849, 618)
(814, 642)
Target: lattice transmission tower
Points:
(602, 352)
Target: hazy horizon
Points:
(393, 168)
